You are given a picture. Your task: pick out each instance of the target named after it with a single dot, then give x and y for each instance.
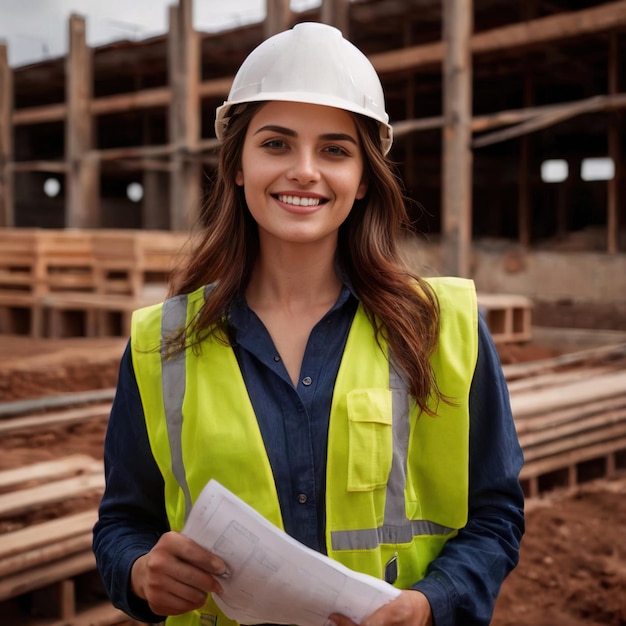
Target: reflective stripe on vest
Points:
(396, 527)
(174, 375)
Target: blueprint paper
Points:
(274, 578)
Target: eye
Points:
(336, 150)
(274, 144)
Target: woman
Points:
(303, 366)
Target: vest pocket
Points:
(369, 438)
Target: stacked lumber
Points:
(82, 282)
(20, 309)
(569, 411)
(47, 565)
(131, 270)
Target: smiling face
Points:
(301, 170)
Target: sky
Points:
(35, 30)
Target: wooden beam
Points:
(524, 207)
(553, 115)
(278, 17)
(609, 16)
(7, 214)
(40, 115)
(457, 155)
(184, 116)
(527, 34)
(410, 173)
(512, 116)
(337, 13)
(215, 88)
(121, 103)
(615, 151)
(134, 152)
(53, 167)
(83, 174)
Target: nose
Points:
(304, 168)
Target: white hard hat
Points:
(310, 63)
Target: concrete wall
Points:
(549, 276)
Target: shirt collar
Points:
(240, 313)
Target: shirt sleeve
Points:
(132, 511)
(462, 583)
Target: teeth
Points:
(299, 201)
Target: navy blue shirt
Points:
(461, 584)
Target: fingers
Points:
(176, 575)
(410, 608)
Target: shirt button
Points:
(307, 381)
(302, 498)
(276, 358)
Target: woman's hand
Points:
(176, 575)
(410, 608)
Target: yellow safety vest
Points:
(397, 479)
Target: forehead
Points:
(304, 116)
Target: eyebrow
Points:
(292, 133)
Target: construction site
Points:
(508, 120)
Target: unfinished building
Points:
(508, 117)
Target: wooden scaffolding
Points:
(450, 68)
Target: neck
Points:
(293, 277)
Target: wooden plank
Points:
(19, 407)
(540, 420)
(48, 470)
(46, 554)
(520, 370)
(457, 157)
(37, 535)
(575, 394)
(566, 429)
(21, 583)
(543, 381)
(54, 420)
(27, 500)
(582, 441)
(533, 468)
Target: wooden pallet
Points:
(569, 419)
(509, 317)
(60, 283)
(47, 570)
(103, 315)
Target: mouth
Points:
(300, 201)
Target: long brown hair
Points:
(401, 306)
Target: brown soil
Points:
(572, 570)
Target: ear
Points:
(361, 190)
(239, 178)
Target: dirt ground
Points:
(572, 570)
